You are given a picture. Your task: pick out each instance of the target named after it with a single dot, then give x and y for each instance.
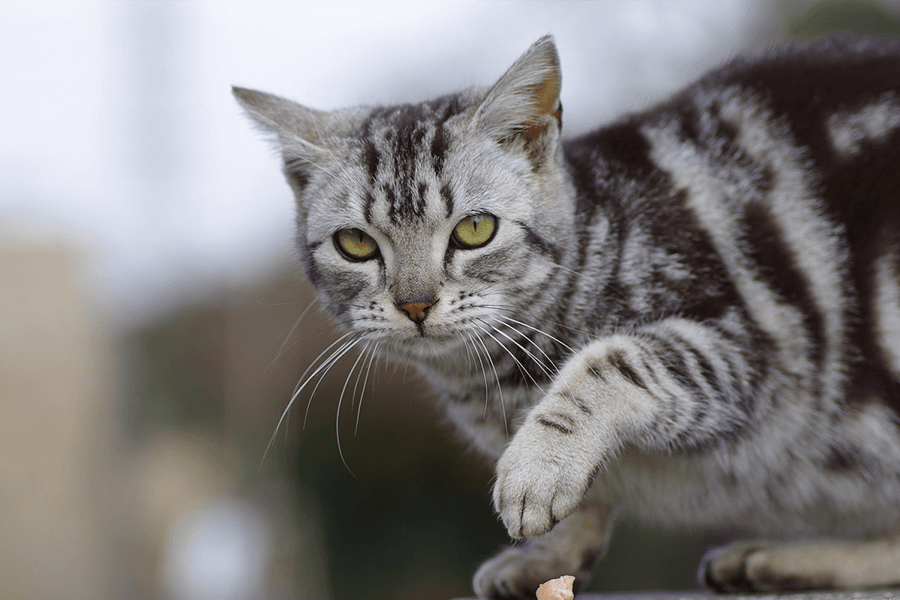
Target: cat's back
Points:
(832, 95)
(779, 175)
(829, 72)
(823, 117)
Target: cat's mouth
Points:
(427, 339)
(428, 335)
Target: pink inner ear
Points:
(546, 103)
(546, 96)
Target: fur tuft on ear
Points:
(524, 103)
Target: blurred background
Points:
(149, 296)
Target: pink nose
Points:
(417, 311)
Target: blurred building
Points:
(96, 506)
(57, 409)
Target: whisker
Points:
(497, 378)
(343, 351)
(289, 335)
(556, 323)
(356, 384)
(315, 360)
(537, 361)
(536, 330)
(503, 321)
(468, 355)
(304, 381)
(372, 355)
(556, 368)
(337, 413)
(518, 363)
(483, 372)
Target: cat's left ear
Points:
(523, 107)
(301, 133)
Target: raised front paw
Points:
(542, 476)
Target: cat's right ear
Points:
(524, 106)
(301, 133)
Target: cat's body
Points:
(692, 315)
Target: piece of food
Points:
(557, 589)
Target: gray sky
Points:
(119, 135)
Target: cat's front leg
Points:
(572, 433)
(673, 384)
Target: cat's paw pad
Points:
(540, 481)
(517, 571)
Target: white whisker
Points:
(333, 361)
(520, 366)
(536, 330)
(497, 378)
(556, 368)
(304, 381)
(372, 356)
(290, 335)
(483, 372)
(536, 360)
(337, 413)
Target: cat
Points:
(691, 316)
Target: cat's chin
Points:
(428, 347)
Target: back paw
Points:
(768, 567)
(725, 569)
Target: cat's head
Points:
(423, 224)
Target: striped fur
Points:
(691, 315)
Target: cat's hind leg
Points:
(820, 564)
(571, 548)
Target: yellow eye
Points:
(475, 231)
(355, 244)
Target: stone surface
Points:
(889, 594)
(703, 595)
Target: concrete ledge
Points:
(882, 594)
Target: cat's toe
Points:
(760, 567)
(500, 578)
(516, 572)
(538, 484)
(724, 569)
(532, 500)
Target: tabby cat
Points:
(691, 316)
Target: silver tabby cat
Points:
(691, 316)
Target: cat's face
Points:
(422, 226)
(421, 247)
